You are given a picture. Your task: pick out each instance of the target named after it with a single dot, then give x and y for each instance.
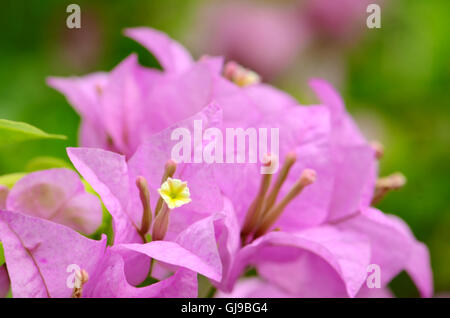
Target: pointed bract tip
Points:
(81, 278)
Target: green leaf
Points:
(43, 163)
(2, 255)
(9, 180)
(14, 132)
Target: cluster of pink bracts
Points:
(309, 230)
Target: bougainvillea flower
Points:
(353, 158)
(131, 103)
(39, 263)
(323, 138)
(107, 268)
(83, 94)
(317, 262)
(371, 237)
(393, 247)
(121, 109)
(214, 85)
(37, 254)
(57, 195)
(330, 257)
(266, 107)
(110, 282)
(296, 221)
(129, 190)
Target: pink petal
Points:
(366, 292)
(124, 100)
(233, 100)
(196, 247)
(57, 195)
(227, 234)
(215, 63)
(82, 212)
(269, 99)
(304, 131)
(121, 101)
(38, 252)
(176, 97)
(419, 268)
(107, 173)
(327, 95)
(151, 157)
(393, 248)
(353, 159)
(110, 282)
(82, 93)
(319, 262)
(91, 134)
(172, 56)
(173, 254)
(254, 288)
(345, 129)
(354, 182)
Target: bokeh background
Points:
(395, 80)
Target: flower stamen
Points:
(81, 278)
(254, 213)
(239, 75)
(387, 184)
(144, 195)
(307, 177)
(161, 224)
(174, 193)
(291, 158)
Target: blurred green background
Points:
(396, 82)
